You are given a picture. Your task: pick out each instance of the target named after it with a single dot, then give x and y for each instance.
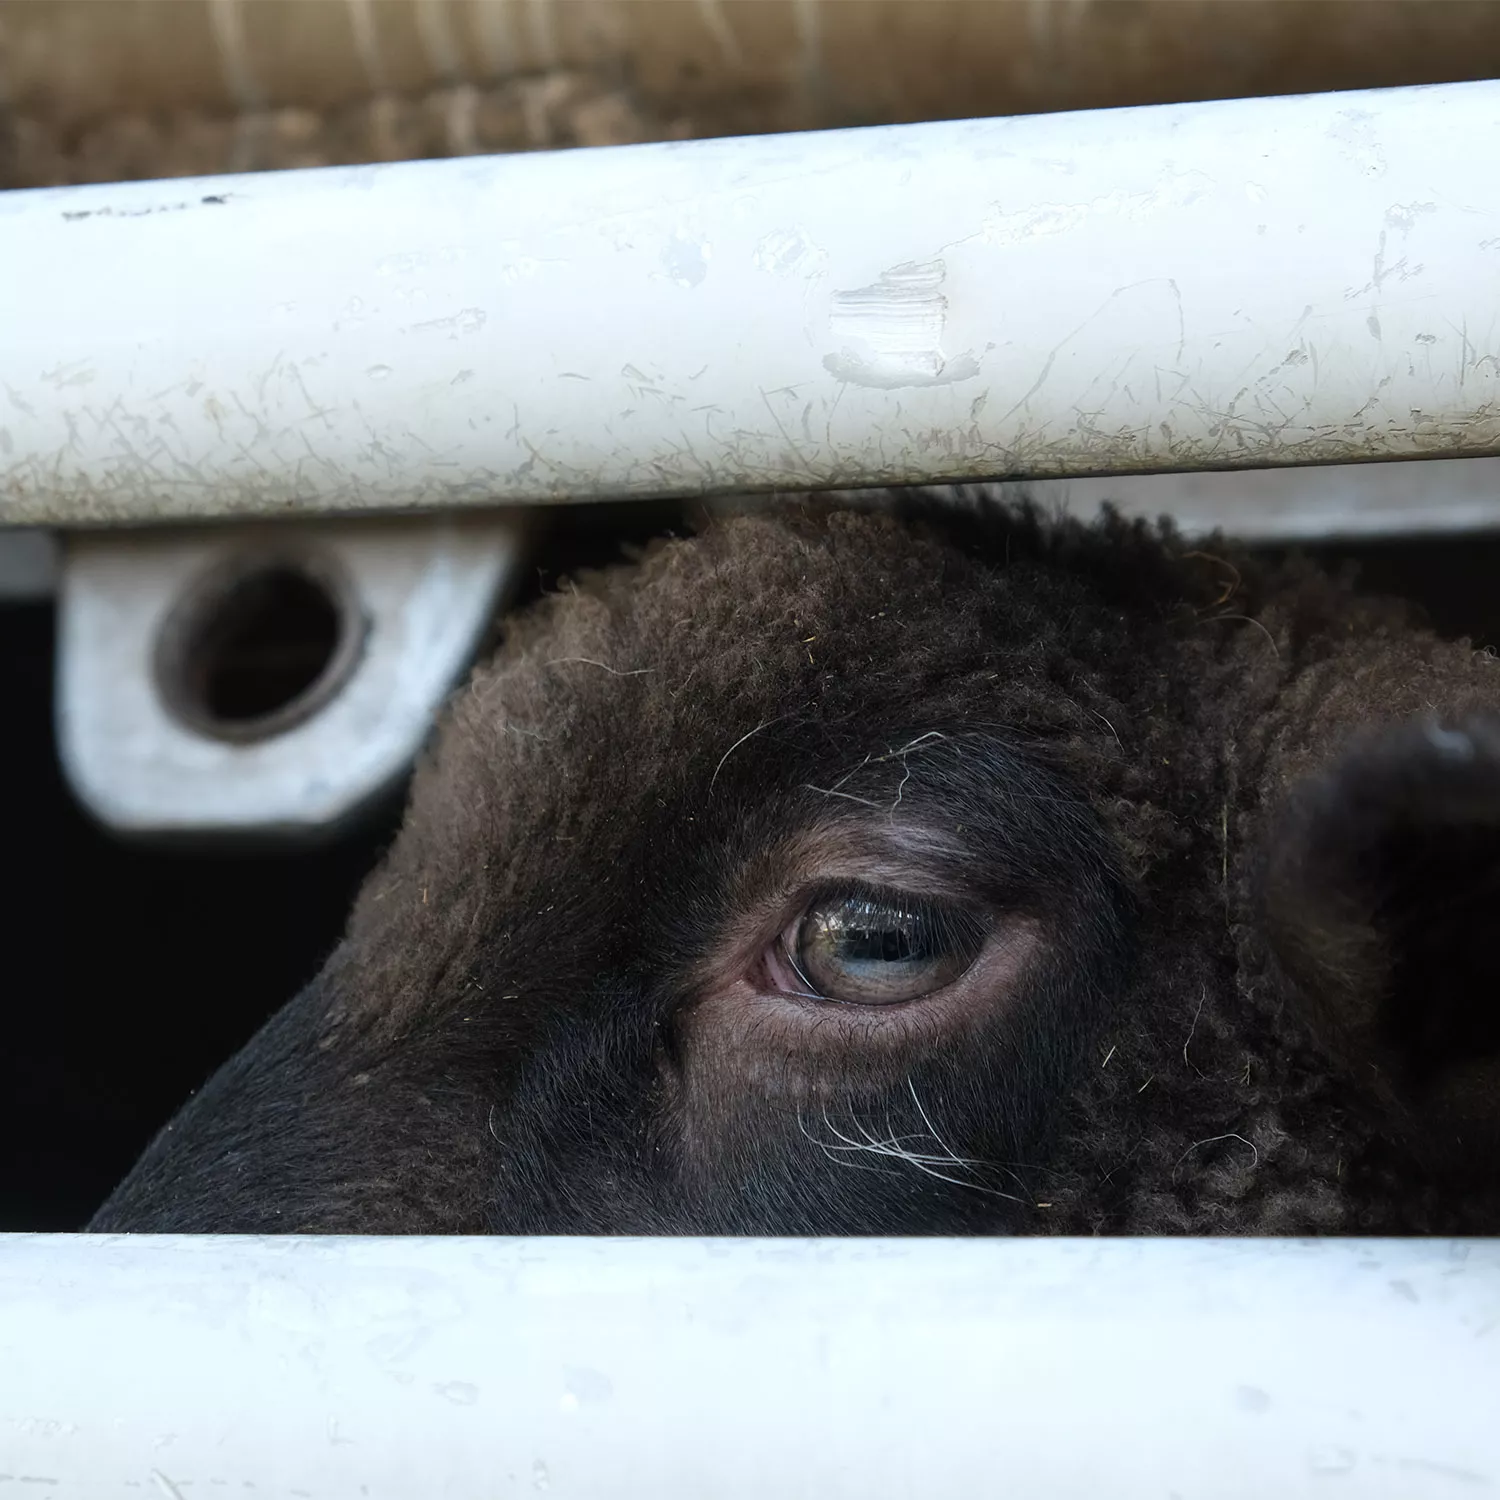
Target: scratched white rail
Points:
(1232, 284)
(599, 1368)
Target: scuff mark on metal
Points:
(467, 320)
(208, 200)
(892, 331)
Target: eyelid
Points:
(954, 917)
(799, 986)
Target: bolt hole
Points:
(257, 646)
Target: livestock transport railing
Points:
(1232, 286)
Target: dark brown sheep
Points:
(937, 868)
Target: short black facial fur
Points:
(940, 870)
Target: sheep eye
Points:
(868, 948)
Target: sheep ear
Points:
(1381, 896)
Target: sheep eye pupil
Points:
(866, 949)
(862, 932)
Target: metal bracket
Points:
(265, 680)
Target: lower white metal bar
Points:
(1337, 502)
(1232, 284)
(331, 1368)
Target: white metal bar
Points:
(1237, 283)
(1349, 502)
(181, 1367)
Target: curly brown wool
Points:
(1211, 847)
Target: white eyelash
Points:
(891, 1146)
